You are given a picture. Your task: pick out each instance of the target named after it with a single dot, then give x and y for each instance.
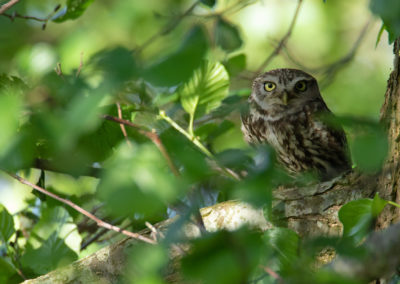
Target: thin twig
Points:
(58, 70)
(99, 222)
(48, 165)
(283, 40)
(7, 6)
(95, 237)
(43, 20)
(272, 273)
(122, 125)
(153, 136)
(80, 66)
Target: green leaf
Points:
(367, 160)
(7, 270)
(206, 89)
(117, 64)
(236, 64)
(6, 224)
(389, 11)
(209, 3)
(74, 9)
(57, 220)
(52, 254)
(285, 243)
(144, 263)
(137, 180)
(227, 35)
(177, 67)
(223, 257)
(378, 204)
(357, 217)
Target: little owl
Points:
(285, 112)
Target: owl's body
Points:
(285, 112)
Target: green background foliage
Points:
(181, 69)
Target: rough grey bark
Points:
(309, 211)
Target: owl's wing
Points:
(330, 136)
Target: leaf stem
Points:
(394, 204)
(197, 142)
(189, 136)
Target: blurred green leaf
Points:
(117, 64)
(74, 9)
(205, 90)
(377, 205)
(236, 64)
(209, 3)
(51, 254)
(369, 143)
(235, 159)
(146, 263)
(365, 159)
(186, 156)
(223, 257)
(11, 106)
(210, 131)
(177, 67)
(356, 217)
(6, 225)
(7, 270)
(389, 11)
(57, 223)
(137, 180)
(227, 35)
(285, 243)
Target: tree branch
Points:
(7, 5)
(283, 40)
(74, 206)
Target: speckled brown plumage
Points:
(285, 112)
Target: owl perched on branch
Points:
(285, 110)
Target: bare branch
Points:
(122, 125)
(7, 6)
(74, 206)
(283, 40)
(80, 66)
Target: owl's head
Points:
(284, 91)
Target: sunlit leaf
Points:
(56, 220)
(177, 67)
(6, 224)
(51, 254)
(73, 10)
(227, 35)
(205, 90)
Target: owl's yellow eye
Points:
(301, 86)
(269, 86)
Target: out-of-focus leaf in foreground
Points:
(178, 66)
(73, 10)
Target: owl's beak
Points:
(285, 98)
